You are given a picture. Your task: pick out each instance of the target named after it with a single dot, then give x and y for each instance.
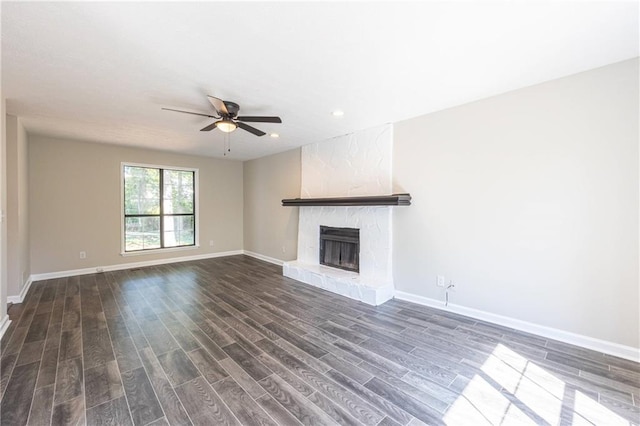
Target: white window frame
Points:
(196, 208)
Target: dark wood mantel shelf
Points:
(371, 200)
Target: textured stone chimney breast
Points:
(358, 164)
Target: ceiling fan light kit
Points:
(226, 126)
(228, 119)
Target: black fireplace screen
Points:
(340, 248)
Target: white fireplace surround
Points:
(358, 164)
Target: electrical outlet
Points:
(83, 255)
(284, 249)
(440, 282)
(210, 243)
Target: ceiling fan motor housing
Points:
(233, 108)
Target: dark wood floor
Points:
(231, 341)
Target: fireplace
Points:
(340, 248)
(340, 185)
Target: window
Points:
(158, 207)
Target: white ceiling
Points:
(102, 71)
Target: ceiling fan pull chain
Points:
(227, 144)
(224, 145)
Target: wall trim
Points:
(604, 346)
(23, 293)
(4, 325)
(265, 258)
(120, 266)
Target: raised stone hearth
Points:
(347, 283)
(353, 165)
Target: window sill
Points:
(158, 251)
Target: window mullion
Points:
(161, 208)
(193, 204)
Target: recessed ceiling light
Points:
(337, 113)
(274, 135)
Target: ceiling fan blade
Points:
(250, 129)
(219, 105)
(209, 127)
(257, 119)
(189, 112)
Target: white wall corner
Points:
(23, 293)
(603, 346)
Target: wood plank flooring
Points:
(232, 341)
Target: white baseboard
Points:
(598, 345)
(4, 324)
(23, 293)
(265, 258)
(118, 267)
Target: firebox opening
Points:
(340, 248)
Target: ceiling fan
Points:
(228, 119)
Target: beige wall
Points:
(18, 253)
(23, 205)
(268, 227)
(75, 203)
(3, 208)
(528, 201)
